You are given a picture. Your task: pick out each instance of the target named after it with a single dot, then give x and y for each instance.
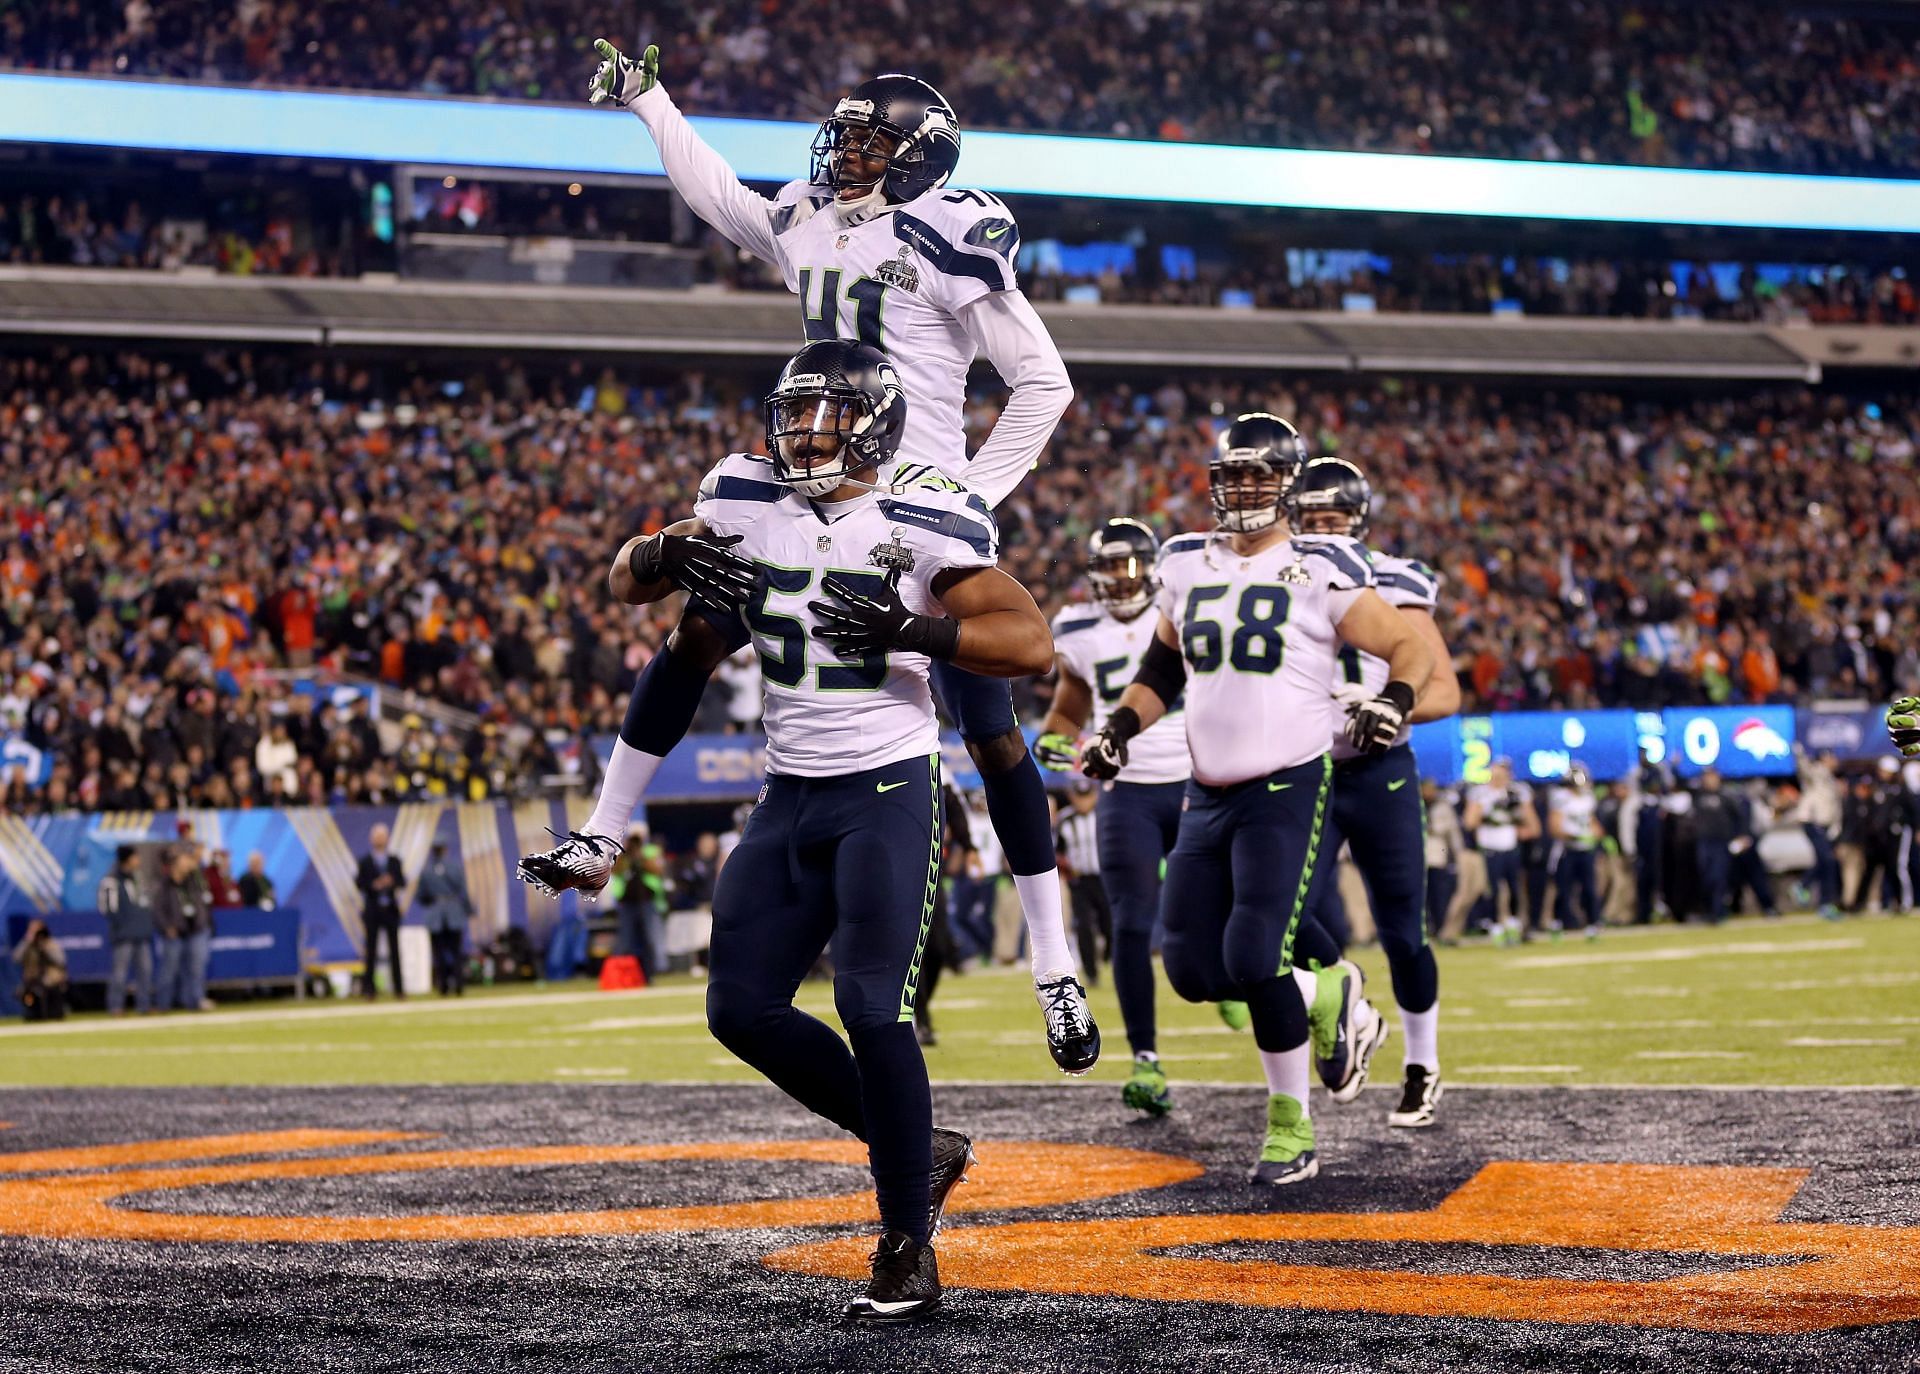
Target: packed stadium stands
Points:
(181, 535)
(1757, 85)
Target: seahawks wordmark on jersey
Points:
(826, 715)
(1405, 583)
(1104, 652)
(1258, 633)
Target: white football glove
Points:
(1350, 695)
(619, 78)
(1375, 724)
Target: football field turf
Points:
(568, 1180)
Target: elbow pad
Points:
(1163, 671)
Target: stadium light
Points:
(559, 138)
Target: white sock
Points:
(1423, 1036)
(628, 773)
(1308, 982)
(1286, 1074)
(1046, 923)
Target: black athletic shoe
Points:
(1072, 1038)
(1418, 1099)
(582, 862)
(906, 1282)
(952, 1157)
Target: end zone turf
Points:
(588, 1228)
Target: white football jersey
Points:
(1500, 808)
(1402, 582)
(1258, 633)
(1579, 825)
(824, 715)
(1104, 652)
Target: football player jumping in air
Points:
(1250, 623)
(1098, 650)
(878, 250)
(858, 588)
(1376, 807)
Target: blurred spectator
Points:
(124, 903)
(219, 874)
(255, 888)
(640, 902)
(380, 879)
(694, 874)
(445, 909)
(184, 916)
(43, 974)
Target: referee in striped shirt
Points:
(1079, 854)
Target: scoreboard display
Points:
(1741, 741)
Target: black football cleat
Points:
(905, 1286)
(582, 862)
(1072, 1038)
(1417, 1099)
(952, 1157)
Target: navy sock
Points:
(1017, 806)
(1279, 1014)
(1133, 981)
(1312, 944)
(899, 1113)
(666, 696)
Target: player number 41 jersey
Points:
(826, 715)
(1104, 652)
(1258, 634)
(1405, 583)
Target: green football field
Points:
(1789, 1002)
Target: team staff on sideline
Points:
(852, 589)
(1250, 622)
(1501, 818)
(128, 911)
(880, 250)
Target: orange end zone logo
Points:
(1811, 1277)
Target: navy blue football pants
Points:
(1377, 811)
(1136, 827)
(1238, 881)
(847, 864)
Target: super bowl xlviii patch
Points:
(894, 556)
(899, 273)
(1295, 572)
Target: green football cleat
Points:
(1235, 1014)
(1903, 725)
(1345, 1029)
(1287, 1155)
(1146, 1090)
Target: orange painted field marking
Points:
(1852, 1275)
(79, 1205)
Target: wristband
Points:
(1401, 696)
(645, 561)
(1123, 724)
(934, 636)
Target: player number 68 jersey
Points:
(1104, 652)
(826, 715)
(1258, 635)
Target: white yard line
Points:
(1592, 957)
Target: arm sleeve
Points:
(1011, 335)
(705, 181)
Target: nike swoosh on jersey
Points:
(997, 233)
(1396, 784)
(1278, 786)
(887, 786)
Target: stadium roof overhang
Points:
(382, 312)
(121, 113)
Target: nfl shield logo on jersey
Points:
(824, 543)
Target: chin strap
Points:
(870, 206)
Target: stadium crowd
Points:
(83, 231)
(1754, 85)
(183, 544)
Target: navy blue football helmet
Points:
(1332, 484)
(1120, 558)
(838, 410)
(1253, 468)
(899, 120)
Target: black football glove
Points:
(862, 625)
(1374, 725)
(703, 565)
(1903, 725)
(1106, 753)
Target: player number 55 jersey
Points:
(827, 715)
(1258, 634)
(1104, 652)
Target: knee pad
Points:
(734, 1013)
(1192, 975)
(1001, 754)
(863, 1008)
